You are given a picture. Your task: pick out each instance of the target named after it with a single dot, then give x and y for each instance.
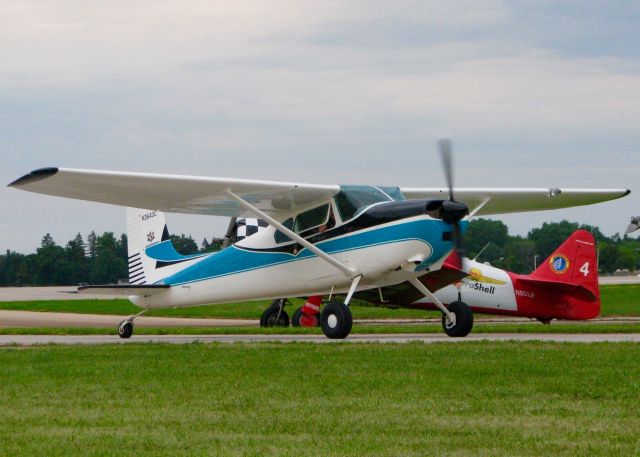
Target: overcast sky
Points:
(532, 93)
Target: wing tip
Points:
(34, 176)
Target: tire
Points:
(125, 329)
(336, 320)
(464, 320)
(270, 318)
(295, 319)
(275, 305)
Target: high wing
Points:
(515, 200)
(174, 193)
(210, 196)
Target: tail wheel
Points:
(463, 321)
(336, 320)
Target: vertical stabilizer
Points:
(152, 256)
(144, 228)
(574, 262)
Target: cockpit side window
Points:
(281, 237)
(308, 223)
(311, 219)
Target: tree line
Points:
(102, 259)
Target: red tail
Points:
(573, 262)
(570, 277)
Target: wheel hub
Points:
(332, 321)
(450, 320)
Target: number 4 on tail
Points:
(584, 269)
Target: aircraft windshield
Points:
(352, 199)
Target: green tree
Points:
(482, 231)
(551, 235)
(76, 261)
(519, 256)
(107, 267)
(92, 241)
(185, 245)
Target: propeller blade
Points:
(457, 240)
(447, 164)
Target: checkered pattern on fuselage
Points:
(248, 226)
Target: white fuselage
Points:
(248, 271)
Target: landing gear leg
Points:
(457, 320)
(125, 328)
(336, 319)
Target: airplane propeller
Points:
(452, 211)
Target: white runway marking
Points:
(31, 340)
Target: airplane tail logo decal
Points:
(559, 263)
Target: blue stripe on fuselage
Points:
(234, 260)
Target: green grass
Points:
(357, 329)
(617, 300)
(620, 300)
(483, 399)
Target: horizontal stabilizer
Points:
(125, 290)
(579, 291)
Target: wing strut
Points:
(294, 236)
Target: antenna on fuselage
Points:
(481, 251)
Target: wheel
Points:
(125, 329)
(336, 320)
(295, 319)
(464, 320)
(267, 318)
(271, 319)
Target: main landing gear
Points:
(275, 315)
(457, 319)
(125, 328)
(336, 320)
(463, 322)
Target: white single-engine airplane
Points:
(321, 239)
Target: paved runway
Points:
(32, 340)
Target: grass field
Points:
(486, 399)
(618, 300)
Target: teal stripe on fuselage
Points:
(165, 252)
(233, 260)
